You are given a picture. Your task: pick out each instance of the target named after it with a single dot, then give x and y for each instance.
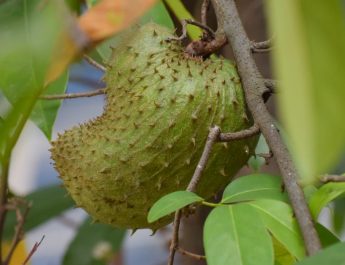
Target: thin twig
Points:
(184, 23)
(33, 250)
(227, 137)
(230, 23)
(96, 92)
(184, 32)
(211, 139)
(332, 178)
(203, 26)
(174, 241)
(190, 254)
(204, 8)
(18, 236)
(94, 63)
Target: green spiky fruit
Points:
(160, 105)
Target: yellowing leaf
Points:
(19, 254)
(109, 17)
(97, 24)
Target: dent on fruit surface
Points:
(160, 105)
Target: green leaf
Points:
(46, 204)
(235, 234)
(324, 195)
(333, 255)
(74, 5)
(327, 237)
(308, 60)
(181, 12)
(94, 244)
(45, 111)
(256, 162)
(157, 14)
(339, 215)
(253, 187)
(29, 32)
(278, 218)
(281, 255)
(170, 203)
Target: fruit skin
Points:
(160, 105)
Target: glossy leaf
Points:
(94, 244)
(46, 204)
(332, 255)
(254, 187)
(170, 203)
(308, 61)
(235, 234)
(278, 218)
(324, 195)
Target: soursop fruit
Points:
(160, 104)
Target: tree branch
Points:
(96, 92)
(227, 137)
(333, 178)
(230, 23)
(94, 63)
(204, 8)
(33, 250)
(21, 218)
(213, 136)
(190, 254)
(211, 139)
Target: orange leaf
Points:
(111, 16)
(97, 24)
